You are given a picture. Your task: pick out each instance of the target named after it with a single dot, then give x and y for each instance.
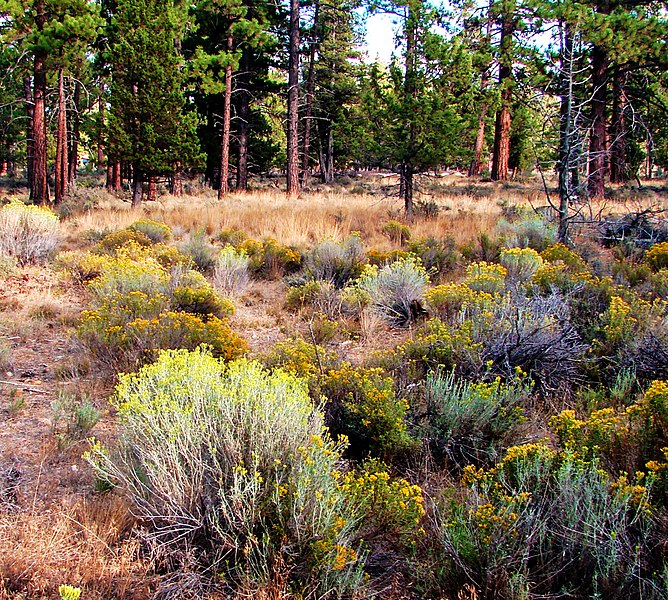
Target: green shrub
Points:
(657, 256)
(520, 263)
(28, 233)
(269, 259)
(538, 517)
(231, 272)
(117, 239)
(396, 291)
(153, 230)
(336, 263)
(397, 232)
(301, 358)
(447, 301)
(233, 462)
(559, 254)
(437, 256)
(381, 259)
(363, 406)
(231, 237)
(529, 231)
(486, 277)
(201, 251)
(467, 422)
(202, 301)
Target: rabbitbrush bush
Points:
(229, 468)
(396, 291)
(28, 233)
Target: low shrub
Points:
(301, 358)
(270, 259)
(336, 263)
(117, 239)
(28, 233)
(153, 230)
(486, 277)
(231, 272)
(201, 251)
(657, 256)
(466, 422)
(551, 522)
(447, 301)
(232, 461)
(396, 291)
(202, 301)
(398, 232)
(362, 405)
(530, 230)
(520, 263)
(437, 256)
(559, 254)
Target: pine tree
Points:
(149, 126)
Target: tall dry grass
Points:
(85, 546)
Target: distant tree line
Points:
(233, 88)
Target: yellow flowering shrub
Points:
(379, 258)
(559, 254)
(117, 239)
(657, 256)
(391, 506)
(153, 230)
(268, 258)
(486, 277)
(28, 233)
(301, 358)
(232, 461)
(365, 408)
(446, 301)
(520, 263)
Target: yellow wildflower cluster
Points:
(657, 256)
(448, 300)
(561, 255)
(486, 277)
(521, 263)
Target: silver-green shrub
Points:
(335, 262)
(231, 270)
(28, 233)
(396, 292)
(233, 460)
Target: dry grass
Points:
(86, 546)
(466, 210)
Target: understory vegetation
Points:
(436, 419)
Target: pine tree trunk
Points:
(310, 87)
(243, 114)
(597, 136)
(292, 167)
(224, 186)
(61, 143)
(407, 189)
(110, 177)
(39, 191)
(30, 138)
(501, 154)
(619, 170)
(74, 145)
(476, 165)
(152, 189)
(100, 133)
(117, 177)
(176, 183)
(564, 166)
(137, 180)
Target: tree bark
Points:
(137, 180)
(176, 181)
(30, 138)
(224, 186)
(74, 144)
(100, 133)
(501, 154)
(39, 191)
(61, 175)
(310, 87)
(292, 167)
(152, 189)
(476, 165)
(599, 98)
(243, 114)
(564, 165)
(619, 169)
(406, 185)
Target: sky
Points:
(380, 37)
